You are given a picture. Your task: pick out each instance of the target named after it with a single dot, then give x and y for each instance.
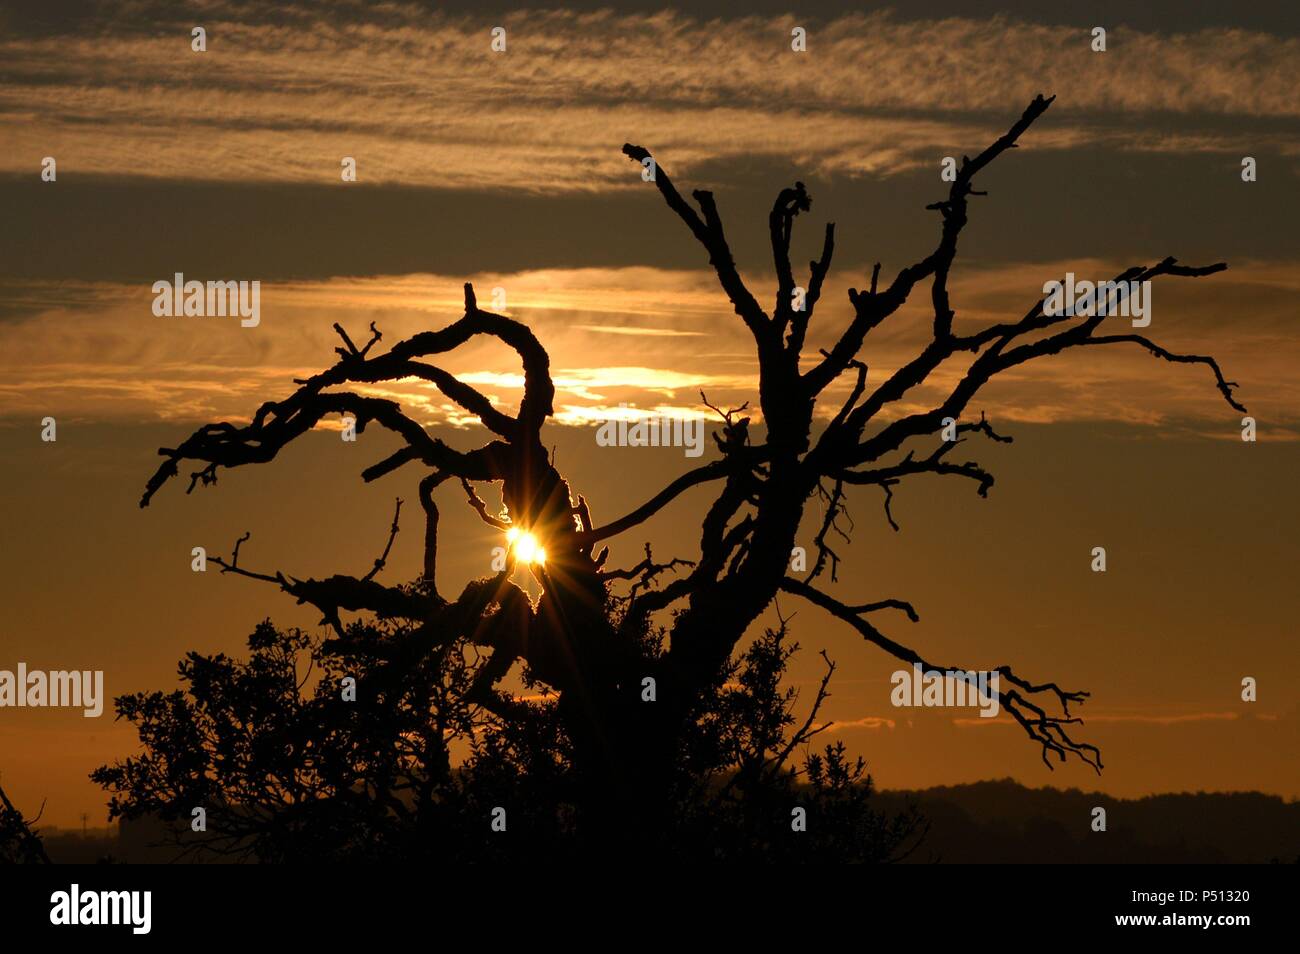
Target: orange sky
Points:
(507, 172)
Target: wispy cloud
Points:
(419, 98)
(100, 353)
(645, 332)
(866, 722)
(1165, 719)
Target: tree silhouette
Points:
(290, 772)
(19, 843)
(589, 647)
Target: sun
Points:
(526, 546)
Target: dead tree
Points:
(569, 639)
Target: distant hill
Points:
(73, 847)
(986, 822)
(1005, 822)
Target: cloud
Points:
(419, 98)
(866, 722)
(648, 332)
(1163, 719)
(97, 352)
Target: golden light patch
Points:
(526, 546)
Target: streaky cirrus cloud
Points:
(95, 350)
(1178, 718)
(419, 98)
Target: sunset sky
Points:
(504, 169)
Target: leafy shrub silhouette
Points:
(287, 770)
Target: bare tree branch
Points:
(1047, 730)
(392, 535)
(708, 231)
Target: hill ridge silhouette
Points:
(1000, 820)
